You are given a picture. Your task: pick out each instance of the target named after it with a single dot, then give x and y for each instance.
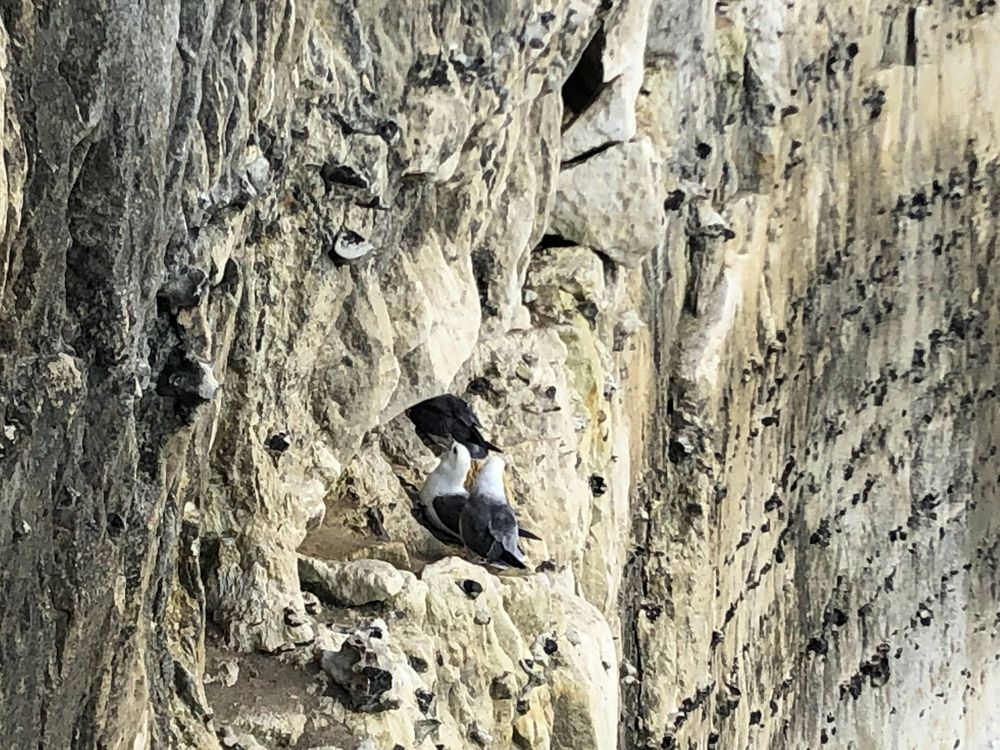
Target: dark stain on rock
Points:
(424, 699)
(817, 645)
(376, 522)
(471, 588)
(278, 442)
(597, 485)
(675, 199)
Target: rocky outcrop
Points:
(715, 276)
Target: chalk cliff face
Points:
(716, 276)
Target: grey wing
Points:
(449, 510)
(503, 528)
(474, 529)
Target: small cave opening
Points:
(554, 240)
(586, 81)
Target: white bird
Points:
(487, 524)
(444, 495)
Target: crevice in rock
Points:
(586, 81)
(695, 253)
(754, 105)
(609, 267)
(93, 211)
(482, 269)
(635, 589)
(588, 154)
(887, 43)
(209, 548)
(911, 37)
(187, 690)
(334, 174)
(554, 240)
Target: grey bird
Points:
(444, 418)
(487, 523)
(443, 495)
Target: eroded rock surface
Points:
(716, 276)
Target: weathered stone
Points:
(610, 118)
(362, 669)
(188, 382)
(311, 603)
(353, 583)
(184, 289)
(247, 741)
(226, 672)
(395, 553)
(717, 277)
(274, 729)
(613, 201)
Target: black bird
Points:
(444, 418)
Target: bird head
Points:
(457, 459)
(490, 476)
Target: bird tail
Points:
(485, 444)
(525, 534)
(508, 559)
(503, 557)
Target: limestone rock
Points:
(717, 276)
(185, 289)
(227, 672)
(273, 729)
(563, 281)
(246, 602)
(349, 247)
(610, 118)
(353, 583)
(362, 670)
(242, 741)
(613, 201)
(394, 552)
